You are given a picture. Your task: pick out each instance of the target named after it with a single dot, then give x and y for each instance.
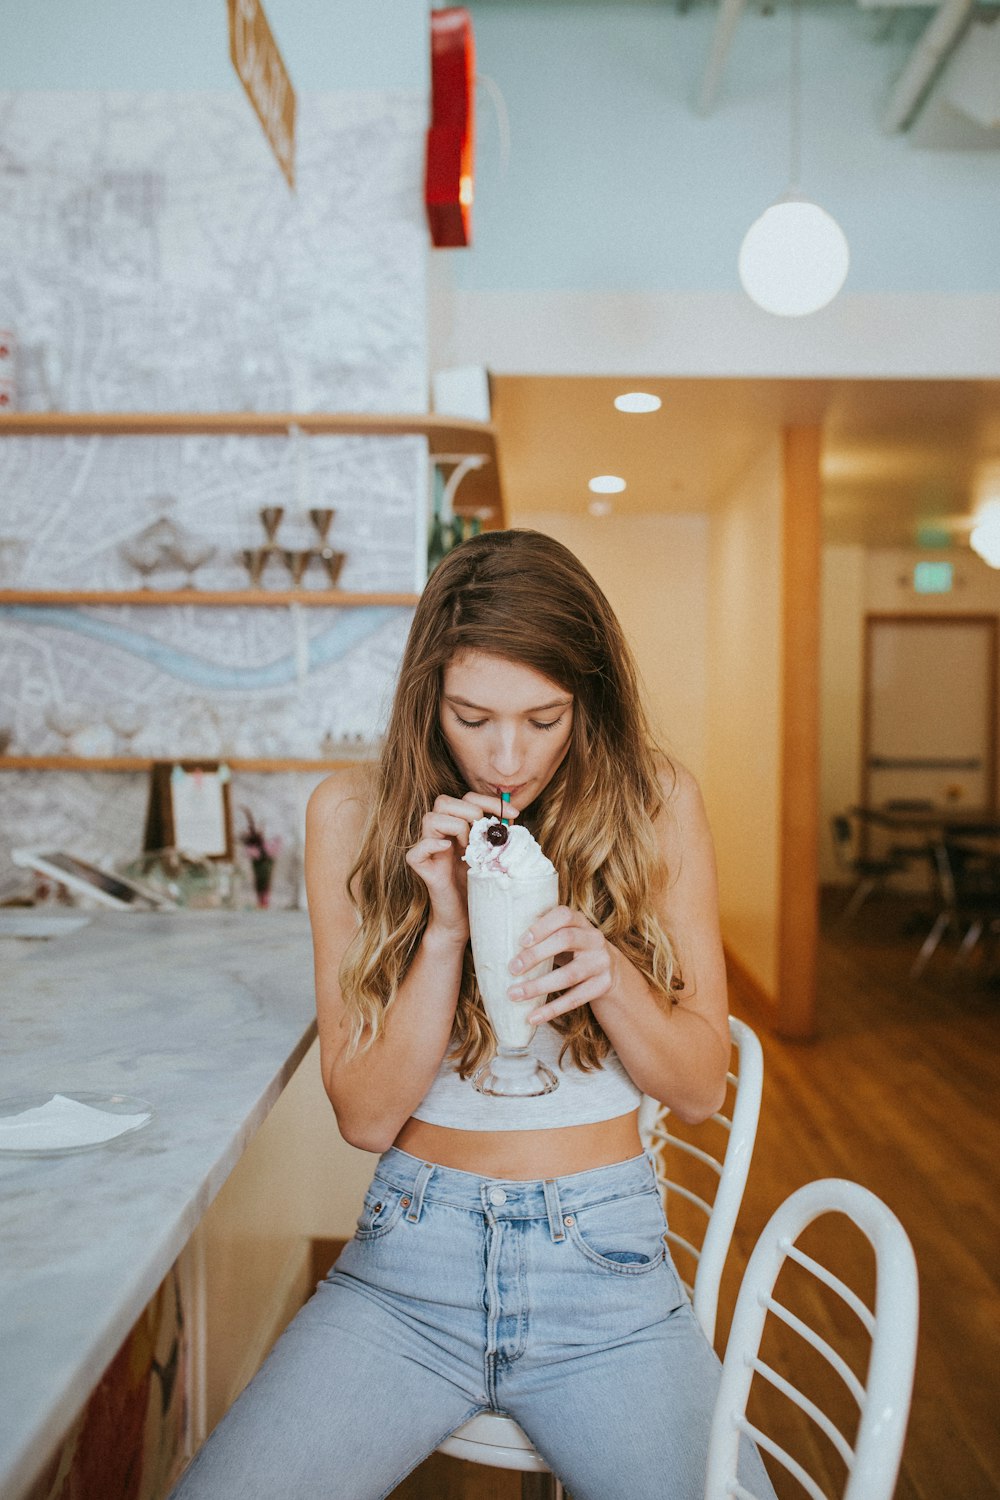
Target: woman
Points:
(510, 1252)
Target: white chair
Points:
(731, 1170)
(883, 1400)
(498, 1441)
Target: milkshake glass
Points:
(510, 885)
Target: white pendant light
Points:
(794, 259)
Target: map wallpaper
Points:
(152, 258)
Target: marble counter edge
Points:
(30, 1448)
(67, 1402)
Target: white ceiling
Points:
(898, 455)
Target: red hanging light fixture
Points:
(448, 183)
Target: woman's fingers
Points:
(582, 968)
(476, 805)
(453, 817)
(558, 931)
(580, 994)
(426, 849)
(440, 825)
(585, 975)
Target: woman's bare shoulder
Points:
(682, 822)
(678, 784)
(342, 799)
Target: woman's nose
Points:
(506, 754)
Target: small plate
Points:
(109, 1104)
(30, 922)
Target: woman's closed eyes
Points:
(535, 723)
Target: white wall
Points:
(117, 44)
(654, 570)
(743, 723)
(894, 334)
(699, 599)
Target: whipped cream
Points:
(520, 858)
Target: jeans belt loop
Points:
(554, 1209)
(419, 1188)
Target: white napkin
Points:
(63, 1122)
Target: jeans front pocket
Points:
(381, 1211)
(621, 1235)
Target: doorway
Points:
(929, 716)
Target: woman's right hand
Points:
(437, 856)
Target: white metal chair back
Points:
(730, 1167)
(498, 1441)
(883, 1400)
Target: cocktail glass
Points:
(270, 519)
(126, 719)
(66, 720)
(297, 560)
(255, 561)
(332, 562)
(189, 554)
(321, 517)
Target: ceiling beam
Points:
(726, 21)
(940, 37)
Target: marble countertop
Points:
(205, 1015)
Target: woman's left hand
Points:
(586, 964)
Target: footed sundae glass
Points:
(502, 905)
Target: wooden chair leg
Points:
(860, 895)
(969, 942)
(930, 943)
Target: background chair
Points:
(918, 850)
(725, 1158)
(969, 891)
(882, 1399)
(869, 874)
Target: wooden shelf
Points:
(143, 763)
(480, 491)
(445, 434)
(339, 598)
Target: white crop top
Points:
(581, 1098)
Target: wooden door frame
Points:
(791, 1009)
(879, 617)
(799, 810)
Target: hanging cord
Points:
(503, 118)
(795, 105)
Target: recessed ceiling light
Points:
(600, 507)
(606, 484)
(638, 401)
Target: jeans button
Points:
(569, 1219)
(497, 1196)
(404, 1202)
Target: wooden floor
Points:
(899, 1092)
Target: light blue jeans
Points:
(555, 1302)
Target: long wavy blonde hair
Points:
(525, 597)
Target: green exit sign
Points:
(932, 577)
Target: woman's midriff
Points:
(524, 1154)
